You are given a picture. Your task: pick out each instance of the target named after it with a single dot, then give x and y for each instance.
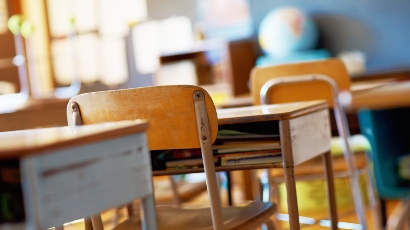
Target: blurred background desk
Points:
(388, 96)
(360, 82)
(34, 114)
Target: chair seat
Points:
(358, 143)
(186, 190)
(248, 216)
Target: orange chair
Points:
(180, 117)
(312, 81)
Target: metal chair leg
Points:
(374, 203)
(399, 217)
(174, 188)
(87, 224)
(270, 225)
(97, 222)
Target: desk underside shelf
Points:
(309, 134)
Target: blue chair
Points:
(388, 132)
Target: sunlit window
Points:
(88, 38)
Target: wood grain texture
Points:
(168, 109)
(333, 68)
(310, 136)
(248, 216)
(330, 187)
(16, 144)
(268, 112)
(392, 95)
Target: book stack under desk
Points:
(232, 150)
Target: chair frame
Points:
(207, 156)
(344, 133)
(401, 213)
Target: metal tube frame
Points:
(342, 126)
(207, 158)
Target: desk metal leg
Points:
(286, 143)
(374, 203)
(247, 180)
(331, 197)
(97, 222)
(229, 187)
(88, 225)
(256, 186)
(292, 198)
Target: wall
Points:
(379, 28)
(160, 9)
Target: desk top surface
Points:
(35, 104)
(198, 46)
(373, 94)
(15, 144)
(268, 112)
(387, 96)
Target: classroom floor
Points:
(317, 221)
(347, 216)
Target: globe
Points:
(287, 30)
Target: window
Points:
(88, 38)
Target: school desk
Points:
(304, 132)
(67, 174)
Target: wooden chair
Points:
(312, 81)
(180, 117)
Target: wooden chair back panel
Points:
(333, 68)
(168, 109)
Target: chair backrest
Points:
(169, 110)
(180, 117)
(304, 91)
(304, 81)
